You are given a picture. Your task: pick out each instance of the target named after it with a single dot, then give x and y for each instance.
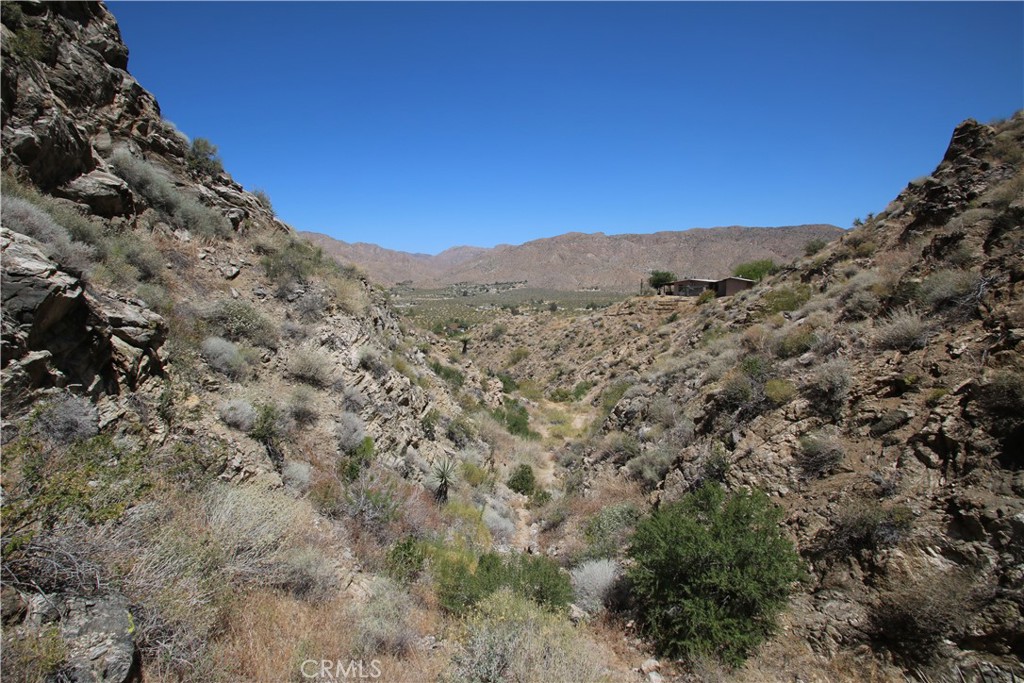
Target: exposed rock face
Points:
(57, 334)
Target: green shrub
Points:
(814, 246)
(612, 394)
(202, 157)
(26, 218)
(704, 297)
(795, 342)
(946, 289)
(522, 480)
(449, 374)
(779, 391)
(460, 432)
(534, 577)
(785, 299)
(711, 572)
(516, 419)
(755, 270)
(287, 261)
(581, 389)
(406, 560)
(474, 475)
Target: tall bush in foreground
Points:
(711, 572)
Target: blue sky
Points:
(421, 126)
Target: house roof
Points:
(692, 279)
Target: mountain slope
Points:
(583, 261)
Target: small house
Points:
(732, 285)
(690, 287)
(696, 286)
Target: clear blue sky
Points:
(420, 126)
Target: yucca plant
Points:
(444, 478)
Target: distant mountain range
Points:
(582, 260)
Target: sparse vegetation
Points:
(819, 454)
(225, 357)
(903, 330)
(202, 158)
(311, 366)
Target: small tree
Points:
(203, 158)
(522, 480)
(711, 572)
(660, 278)
(755, 270)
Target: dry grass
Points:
(269, 635)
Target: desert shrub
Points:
(612, 394)
(449, 374)
(510, 639)
(522, 480)
(202, 157)
(651, 467)
(513, 415)
(755, 270)
(902, 330)
(384, 623)
(865, 525)
(737, 391)
(814, 246)
(34, 656)
(534, 577)
(1004, 393)
(606, 534)
(915, 616)
(474, 475)
(592, 583)
(161, 193)
(829, 386)
(581, 389)
(356, 460)
(269, 426)
(405, 560)
(861, 304)
(264, 199)
(460, 432)
(373, 362)
(819, 454)
(239, 320)
(785, 299)
(252, 527)
(311, 366)
(501, 527)
(711, 572)
(307, 573)
(779, 391)
(296, 474)
(349, 431)
(372, 500)
(225, 357)
(795, 342)
(519, 354)
(24, 217)
(946, 289)
(300, 406)
(238, 414)
(704, 297)
(66, 419)
(292, 260)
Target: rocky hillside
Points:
(225, 458)
(874, 390)
(583, 261)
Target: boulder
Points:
(99, 634)
(104, 193)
